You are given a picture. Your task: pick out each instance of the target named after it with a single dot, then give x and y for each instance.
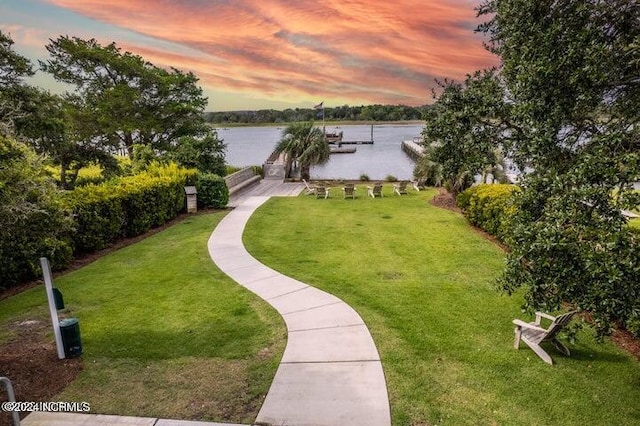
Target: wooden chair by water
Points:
(349, 190)
(400, 188)
(321, 191)
(308, 188)
(533, 334)
(418, 184)
(375, 190)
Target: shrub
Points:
(90, 174)
(212, 191)
(204, 153)
(258, 170)
(33, 219)
(364, 177)
(487, 206)
(128, 206)
(391, 178)
(232, 169)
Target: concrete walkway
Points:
(79, 419)
(330, 373)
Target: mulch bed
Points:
(31, 363)
(445, 200)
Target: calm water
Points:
(252, 145)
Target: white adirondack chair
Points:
(375, 190)
(349, 190)
(322, 191)
(533, 334)
(310, 189)
(400, 188)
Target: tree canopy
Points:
(303, 145)
(463, 127)
(124, 100)
(33, 219)
(13, 69)
(572, 82)
(564, 106)
(13, 66)
(339, 113)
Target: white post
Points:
(48, 283)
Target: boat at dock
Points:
(335, 137)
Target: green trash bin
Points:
(70, 330)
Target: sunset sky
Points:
(253, 54)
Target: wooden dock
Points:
(413, 149)
(340, 150)
(356, 143)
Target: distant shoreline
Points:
(319, 122)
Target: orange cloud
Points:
(351, 51)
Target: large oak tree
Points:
(572, 77)
(124, 100)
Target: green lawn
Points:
(423, 281)
(165, 333)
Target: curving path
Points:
(330, 372)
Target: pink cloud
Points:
(364, 50)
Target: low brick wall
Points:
(241, 179)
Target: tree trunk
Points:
(305, 172)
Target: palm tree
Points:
(428, 171)
(305, 145)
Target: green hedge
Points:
(487, 206)
(212, 191)
(34, 220)
(37, 221)
(127, 206)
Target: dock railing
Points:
(241, 179)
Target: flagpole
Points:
(321, 106)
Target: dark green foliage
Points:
(203, 153)
(567, 249)
(212, 191)
(99, 216)
(488, 206)
(128, 206)
(570, 74)
(48, 125)
(13, 67)
(124, 100)
(257, 170)
(142, 156)
(304, 145)
(462, 131)
(339, 113)
(33, 219)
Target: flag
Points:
(318, 106)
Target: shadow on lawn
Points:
(201, 340)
